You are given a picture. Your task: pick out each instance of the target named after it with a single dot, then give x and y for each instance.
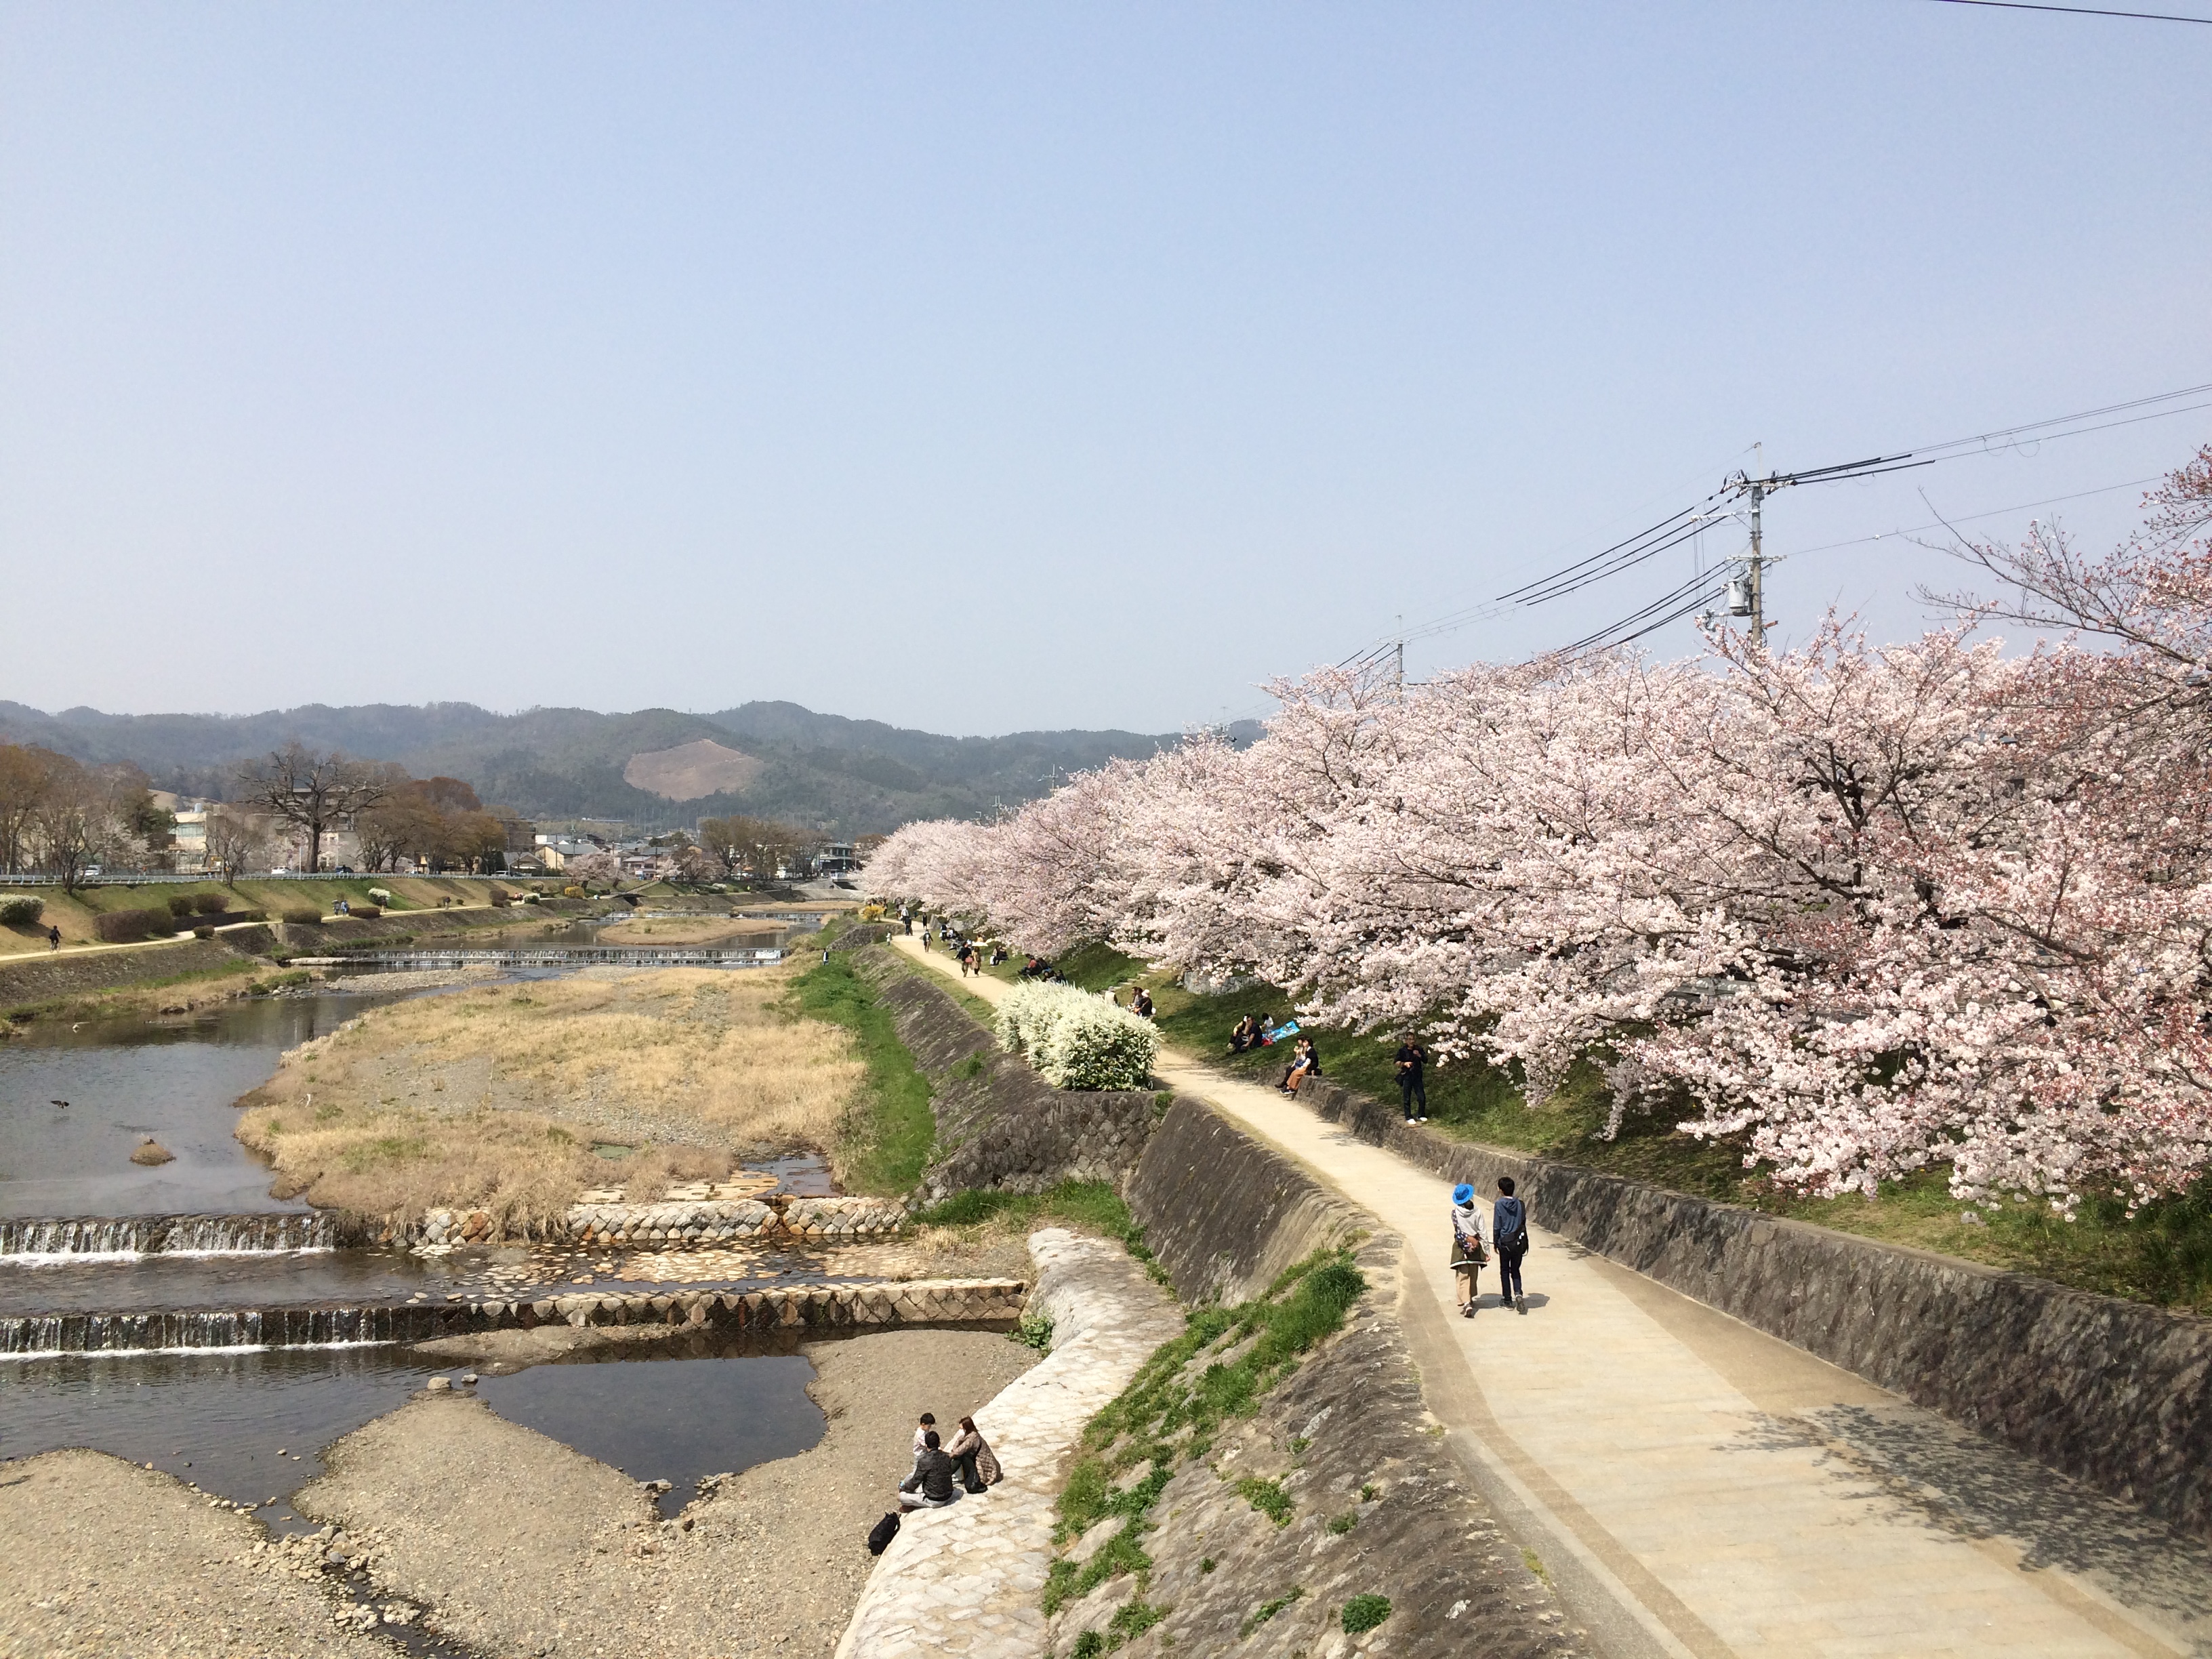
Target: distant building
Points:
(191, 838)
(837, 860)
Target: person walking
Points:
(1413, 1091)
(1468, 1247)
(1509, 1230)
(53, 939)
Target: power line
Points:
(2078, 11)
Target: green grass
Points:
(1267, 1610)
(2162, 1255)
(1363, 1613)
(889, 1134)
(1167, 1416)
(1092, 1205)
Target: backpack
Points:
(1513, 1235)
(880, 1536)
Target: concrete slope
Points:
(1704, 1489)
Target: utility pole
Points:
(1398, 673)
(1756, 571)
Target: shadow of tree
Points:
(1913, 1465)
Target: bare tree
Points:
(76, 822)
(315, 791)
(235, 841)
(25, 773)
(2149, 593)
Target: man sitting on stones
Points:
(931, 1486)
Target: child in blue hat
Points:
(1469, 1246)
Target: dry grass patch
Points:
(495, 1098)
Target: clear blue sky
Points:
(980, 368)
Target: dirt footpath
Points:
(98, 1556)
(522, 1546)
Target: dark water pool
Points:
(252, 1426)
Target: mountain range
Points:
(842, 776)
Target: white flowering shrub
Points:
(1075, 1039)
(20, 908)
(377, 894)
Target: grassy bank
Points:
(883, 1138)
(75, 912)
(172, 994)
(514, 1098)
(2162, 1255)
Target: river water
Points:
(125, 1080)
(250, 1425)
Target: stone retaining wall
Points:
(41, 978)
(999, 1124)
(1224, 1214)
(2111, 1392)
(779, 1218)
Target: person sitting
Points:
(972, 1458)
(1245, 1035)
(1306, 1062)
(921, 1429)
(930, 1487)
(1141, 1005)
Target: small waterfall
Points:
(71, 1240)
(36, 1336)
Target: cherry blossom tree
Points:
(1859, 908)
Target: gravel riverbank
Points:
(99, 1556)
(522, 1546)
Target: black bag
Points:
(880, 1534)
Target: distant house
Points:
(837, 858)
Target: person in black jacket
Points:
(931, 1485)
(1413, 1091)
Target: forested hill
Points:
(777, 759)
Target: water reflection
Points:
(125, 1080)
(692, 1408)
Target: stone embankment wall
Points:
(38, 979)
(340, 932)
(776, 1219)
(817, 1307)
(2111, 1392)
(999, 1124)
(1378, 1506)
(1224, 1214)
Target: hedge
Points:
(304, 915)
(125, 926)
(17, 909)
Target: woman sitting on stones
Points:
(930, 1487)
(971, 1456)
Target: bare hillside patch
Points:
(691, 771)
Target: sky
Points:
(987, 367)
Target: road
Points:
(1698, 1488)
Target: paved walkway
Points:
(968, 1579)
(1726, 1493)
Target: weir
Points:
(993, 1301)
(71, 1239)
